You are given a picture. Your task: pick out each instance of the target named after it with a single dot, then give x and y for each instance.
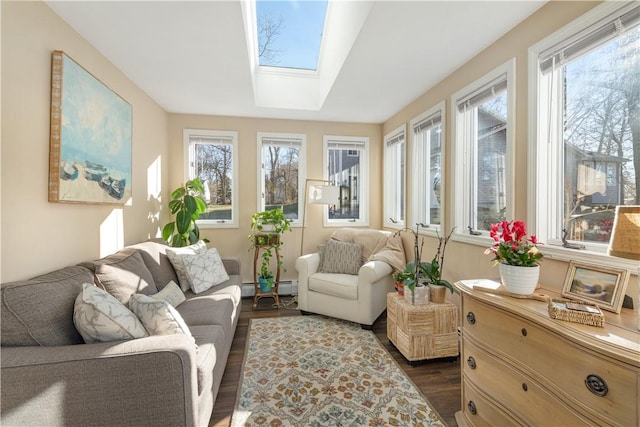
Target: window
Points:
(484, 145)
(394, 178)
(281, 157)
(212, 157)
(585, 82)
(427, 189)
(346, 160)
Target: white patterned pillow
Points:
(98, 316)
(159, 317)
(171, 293)
(341, 257)
(174, 256)
(205, 270)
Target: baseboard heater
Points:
(286, 287)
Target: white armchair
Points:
(359, 298)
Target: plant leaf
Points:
(167, 231)
(178, 193)
(183, 222)
(190, 204)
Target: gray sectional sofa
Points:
(51, 377)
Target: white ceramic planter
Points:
(421, 295)
(519, 280)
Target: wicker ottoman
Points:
(422, 332)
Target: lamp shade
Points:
(324, 194)
(625, 239)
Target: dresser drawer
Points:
(479, 411)
(560, 365)
(525, 398)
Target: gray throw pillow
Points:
(341, 257)
(126, 277)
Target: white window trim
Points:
(187, 134)
(432, 229)
(392, 189)
(540, 178)
(364, 183)
(302, 171)
(459, 161)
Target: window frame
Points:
(418, 191)
(362, 145)
(462, 144)
(294, 138)
(187, 135)
(546, 170)
(395, 179)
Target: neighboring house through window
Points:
(212, 157)
(585, 129)
(282, 164)
(346, 162)
(394, 178)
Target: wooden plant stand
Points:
(265, 242)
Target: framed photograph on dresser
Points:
(599, 285)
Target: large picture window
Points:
(586, 126)
(427, 191)
(346, 160)
(484, 145)
(212, 157)
(281, 158)
(394, 178)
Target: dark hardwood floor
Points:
(439, 380)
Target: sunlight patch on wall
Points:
(112, 233)
(154, 194)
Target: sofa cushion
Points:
(39, 311)
(178, 265)
(171, 294)
(99, 316)
(210, 340)
(339, 285)
(158, 316)
(205, 270)
(126, 277)
(341, 257)
(154, 255)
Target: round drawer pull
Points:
(471, 318)
(525, 387)
(471, 362)
(596, 385)
(524, 332)
(472, 407)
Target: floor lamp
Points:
(317, 192)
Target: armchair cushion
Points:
(341, 257)
(338, 285)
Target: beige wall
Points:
(465, 261)
(233, 242)
(38, 236)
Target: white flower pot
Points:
(419, 296)
(519, 280)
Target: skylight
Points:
(290, 32)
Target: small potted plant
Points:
(399, 277)
(517, 256)
(265, 279)
(187, 205)
(267, 228)
(433, 272)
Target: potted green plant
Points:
(267, 228)
(187, 206)
(433, 271)
(265, 279)
(399, 277)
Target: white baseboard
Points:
(286, 288)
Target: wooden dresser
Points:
(521, 367)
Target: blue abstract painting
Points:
(91, 133)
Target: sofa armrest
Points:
(373, 271)
(150, 381)
(232, 265)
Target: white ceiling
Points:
(192, 57)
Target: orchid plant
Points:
(512, 246)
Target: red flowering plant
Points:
(512, 246)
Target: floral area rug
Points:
(317, 371)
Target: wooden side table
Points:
(422, 332)
(265, 242)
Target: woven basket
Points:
(558, 310)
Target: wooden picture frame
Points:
(90, 139)
(601, 286)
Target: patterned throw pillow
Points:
(205, 270)
(341, 257)
(171, 294)
(174, 256)
(98, 316)
(158, 317)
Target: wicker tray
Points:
(558, 310)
